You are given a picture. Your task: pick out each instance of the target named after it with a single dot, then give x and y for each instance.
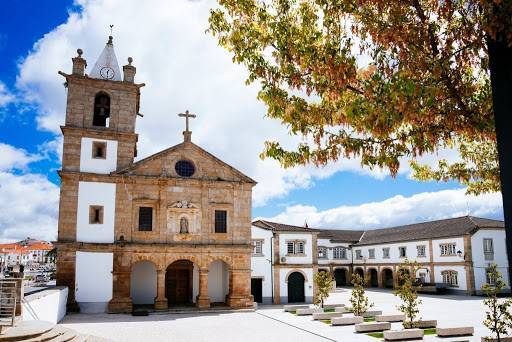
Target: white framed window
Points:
(322, 253)
(447, 249)
(371, 253)
(359, 254)
(450, 278)
(402, 252)
(421, 251)
(339, 253)
(385, 253)
(488, 249)
(257, 247)
(489, 280)
(295, 247)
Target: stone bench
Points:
(308, 311)
(427, 324)
(373, 326)
(459, 331)
(406, 334)
(288, 308)
(318, 316)
(390, 318)
(347, 320)
(342, 309)
(333, 306)
(371, 313)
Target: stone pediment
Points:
(206, 165)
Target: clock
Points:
(107, 73)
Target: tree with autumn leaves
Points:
(384, 81)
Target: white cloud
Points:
(15, 158)
(5, 95)
(29, 207)
(396, 210)
(183, 68)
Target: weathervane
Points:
(111, 27)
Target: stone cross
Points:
(186, 116)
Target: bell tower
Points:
(99, 131)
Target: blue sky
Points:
(183, 68)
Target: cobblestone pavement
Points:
(270, 323)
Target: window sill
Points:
(295, 255)
(257, 255)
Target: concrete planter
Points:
(373, 326)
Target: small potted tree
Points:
(497, 317)
(323, 283)
(407, 291)
(358, 299)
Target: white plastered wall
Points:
(459, 246)
(307, 258)
(218, 281)
(143, 286)
(500, 255)
(394, 256)
(461, 276)
(95, 165)
(95, 193)
(330, 253)
(308, 282)
(93, 281)
(260, 265)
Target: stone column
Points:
(468, 266)
(277, 285)
(202, 300)
(121, 301)
(240, 288)
(380, 275)
(160, 300)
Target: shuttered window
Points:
(145, 219)
(221, 223)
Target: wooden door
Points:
(256, 289)
(296, 288)
(178, 286)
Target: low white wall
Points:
(47, 305)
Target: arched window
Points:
(101, 110)
(450, 278)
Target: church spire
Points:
(106, 66)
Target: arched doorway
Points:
(387, 278)
(296, 288)
(179, 283)
(218, 281)
(340, 276)
(374, 277)
(143, 283)
(403, 273)
(360, 272)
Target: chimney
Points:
(129, 71)
(79, 64)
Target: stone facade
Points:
(183, 208)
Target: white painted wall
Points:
(308, 282)
(330, 254)
(459, 246)
(93, 282)
(500, 255)
(308, 248)
(461, 275)
(394, 256)
(218, 281)
(90, 164)
(95, 193)
(48, 305)
(143, 285)
(260, 265)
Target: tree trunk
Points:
(500, 59)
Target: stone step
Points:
(400, 335)
(372, 326)
(26, 330)
(390, 318)
(346, 320)
(458, 331)
(57, 334)
(318, 316)
(309, 311)
(289, 308)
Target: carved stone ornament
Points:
(183, 204)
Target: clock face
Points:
(107, 73)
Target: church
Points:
(169, 230)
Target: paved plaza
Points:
(270, 323)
